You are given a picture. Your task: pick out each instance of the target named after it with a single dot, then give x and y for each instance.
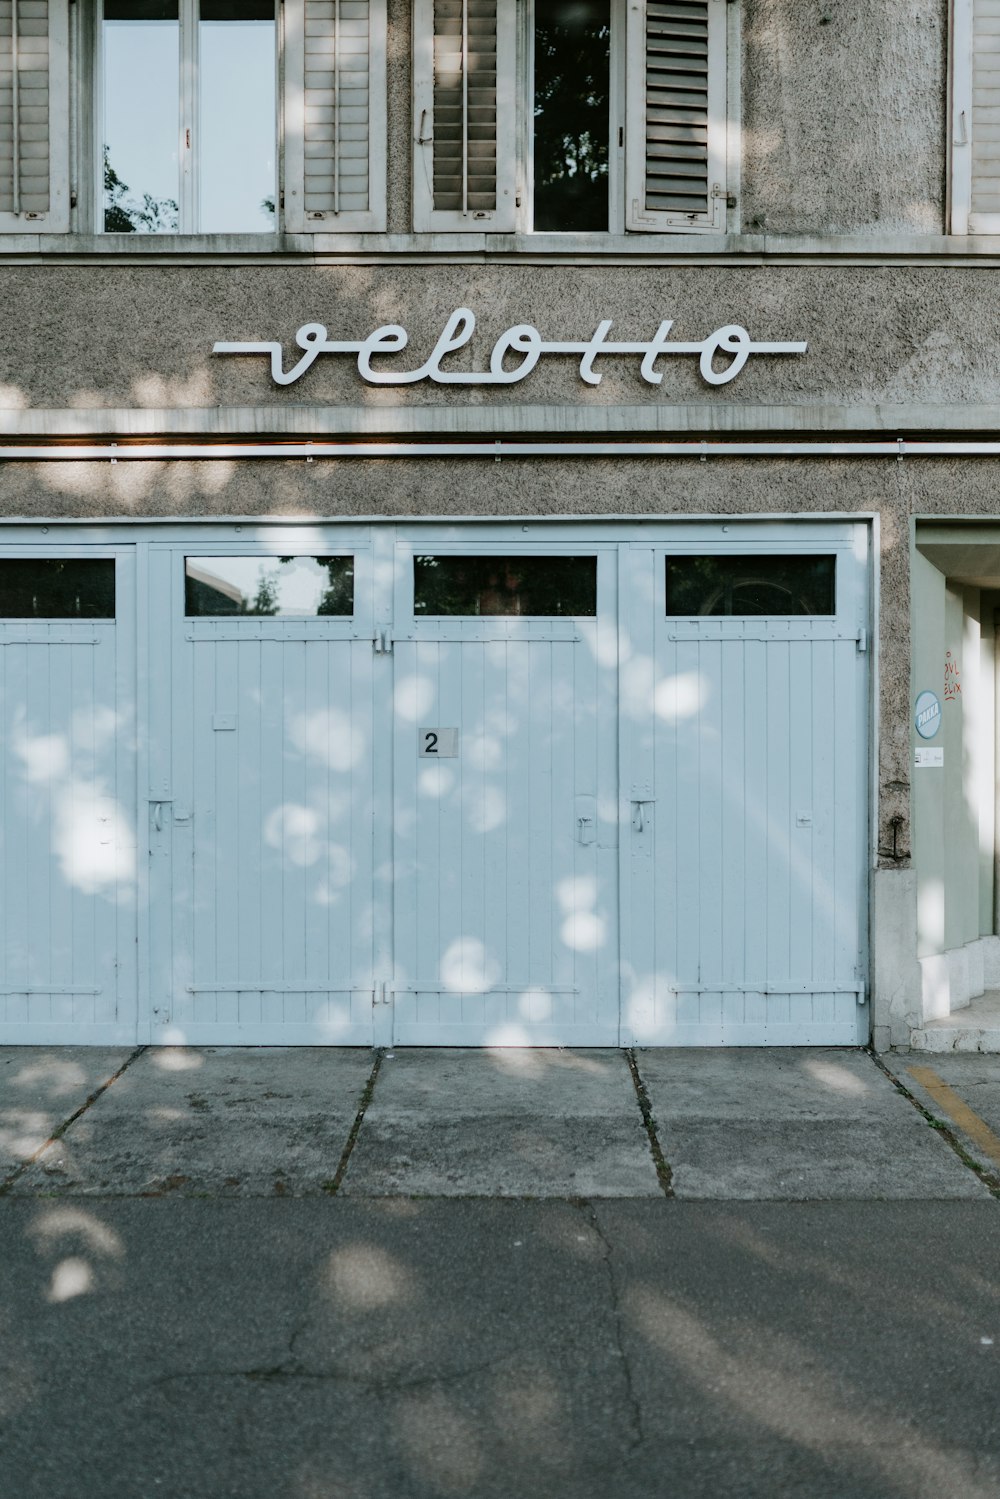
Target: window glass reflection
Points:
(505, 585)
(57, 588)
(237, 117)
(269, 586)
(572, 114)
(751, 585)
(141, 86)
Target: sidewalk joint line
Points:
(366, 1098)
(990, 1179)
(15, 1176)
(663, 1173)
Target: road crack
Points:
(637, 1433)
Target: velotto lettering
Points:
(522, 343)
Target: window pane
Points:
(276, 586)
(236, 163)
(57, 588)
(572, 114)
(505, 585)
(751, 585)
(141, 116)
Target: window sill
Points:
(542, 248)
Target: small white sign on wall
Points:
(929, 756)
(438, 744)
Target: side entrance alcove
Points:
(954, 730)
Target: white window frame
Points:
(57, 219)
(188, 128)
(960, 117)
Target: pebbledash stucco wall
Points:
(98, 336)
(843, 116)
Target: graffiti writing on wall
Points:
(952, 678)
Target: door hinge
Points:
(382, 993)
(862, 640)
(383, 641)
(718, 191)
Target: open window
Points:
(623, 108)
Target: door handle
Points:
(158, 807)
(639, 815)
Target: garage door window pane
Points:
(286, 587)
(751, 585)
(57, 588)
(505, 585)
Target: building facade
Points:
(499, 536)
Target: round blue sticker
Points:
(927, 715)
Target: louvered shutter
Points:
(335, 115)
(675, 150)
(984, 217)
(464, 115)
(34, 117)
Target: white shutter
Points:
(675, 149)
(464, 115)
(984, 216)
(335, 115)
(34, 116)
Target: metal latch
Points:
(639, 817)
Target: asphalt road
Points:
(340, 1349)
(217, 1282)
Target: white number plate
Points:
(438, 744)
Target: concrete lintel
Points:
(334, 421)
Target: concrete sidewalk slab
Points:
(794, 1125)
(229, 1121)
(975, 1078)
(503, 1123)
(41, 1087)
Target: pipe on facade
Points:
(139, 450)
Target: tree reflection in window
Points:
(751, 585)
(269, 587)
(505, 585)
(572, 114)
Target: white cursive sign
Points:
(522, 342)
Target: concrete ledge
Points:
(952, 980)
(976, 1027)
(279, 418)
